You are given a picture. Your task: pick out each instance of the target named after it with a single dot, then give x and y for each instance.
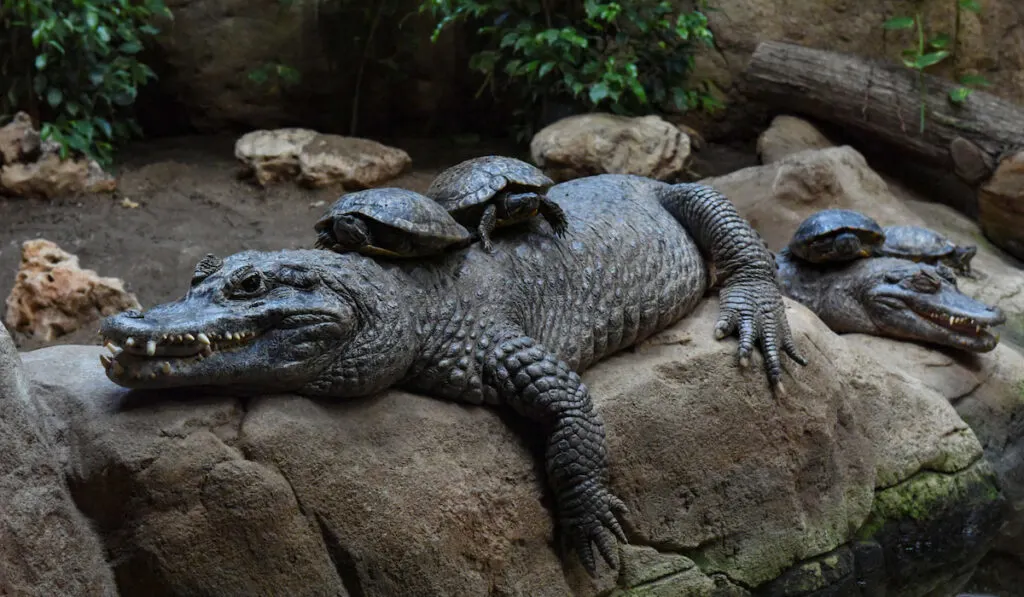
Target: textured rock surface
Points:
(47, 547)
(775, 198)
(601, 143)
(53, 295)
(1001, 205)
(18, 139)
(407, 495)
(318, 160)
(351, 162)
(788, 135)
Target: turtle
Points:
(389, 222)
(493, 191)
(920, 244)
(836, 235)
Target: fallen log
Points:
(980, 139)
(882, 100)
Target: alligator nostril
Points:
(133, 314)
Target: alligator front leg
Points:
(750, 296)
(538, 385)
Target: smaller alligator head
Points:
(303, 321)
(895, 298)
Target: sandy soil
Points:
(192, 203)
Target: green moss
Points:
(927, 495)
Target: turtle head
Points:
(344, 232)
(961, 258)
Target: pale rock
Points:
(272, 155)
(788, 135)
(599, 143)
(350, 162)
(18, 138)
(53, 296)
(1001, 205)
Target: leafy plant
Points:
(627, 57)
(929, 52)
(73, 65)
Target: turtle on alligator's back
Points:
(841, 235)
(515, 326)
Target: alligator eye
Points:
(251, 283)
(248, 285)
(925, 283)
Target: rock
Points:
(318, 160)
(18, 139)
(988, 393)
(53, 296)
(588, 144)
(351, 162)
(48, 547)
(272, 156)
(1001, 205)
(776, 197)
(402, 494)
(788, 135)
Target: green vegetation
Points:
(925, 53)
(626, 57)
(73, 66)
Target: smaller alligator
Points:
(891, 297)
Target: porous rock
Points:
(350, 162)
(776, 197)
(53, 296)
(47, 547)
(272, 155)
(18, 139)
(599, 143)
(788, 135)
(402, 494)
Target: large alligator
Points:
(514, 327)
(891, 297)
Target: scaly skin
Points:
(889, 297)
(515, 327)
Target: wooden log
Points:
(882, 100)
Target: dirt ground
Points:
(191, 202)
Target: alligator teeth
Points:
(113, 348)
(151, 347)
(166, 368)
(118, 369)
(190, 337)
(951, 320)
(977, 329)
(206, 351)
(203, 338)
(105, 361)
(129, 342)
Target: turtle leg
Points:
(553, 213)
(486, 227)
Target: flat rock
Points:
(600, 143)
(401, 494)
(350, 162)
(48, 547)
(54, 296)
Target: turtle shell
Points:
(403, 210)
(830, 222)
(916, 241)
(478, 180)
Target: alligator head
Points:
(895, 298)
(302, 321)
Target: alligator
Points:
(515, 327)
(891, 297)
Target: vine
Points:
(73, 66)
(927, 52)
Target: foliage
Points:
(929, 52)
(627, 57)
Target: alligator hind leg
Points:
(538, 385)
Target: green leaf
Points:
(899, 23)
(940, 41)
(41, 62)
(104, 126)
(54, 97)
(103, 34)
(92, 19)
(974, 80)
(130, 47)
(970, 5)
(926, 60)
(598, 92)
(957, 95)
(545, 69)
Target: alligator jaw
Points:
(940, 323)
(141, 357)
(971, 332)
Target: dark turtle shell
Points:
(478, 180)
(916, 241)
(829, 224)
(403, 210)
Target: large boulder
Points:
(601, 143)
(47, 547)
(856, 477)
(777, 196)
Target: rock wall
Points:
(205, 57)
